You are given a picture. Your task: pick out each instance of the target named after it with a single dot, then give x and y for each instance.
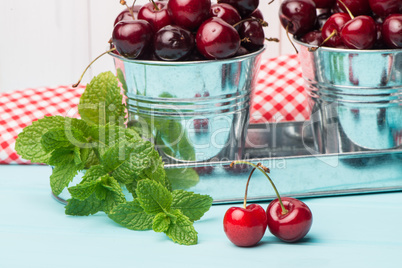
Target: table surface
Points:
(349, 231)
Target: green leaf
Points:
(132, 216)
(62, 175)
(61, 138)
(141, 161)
(102, 101)
(153, 196)
(84, 189)
(182, 232)
(190, 204)
(182, 178)
(28, 144)
(161, 222)
(89, 206)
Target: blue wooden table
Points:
(349, 231)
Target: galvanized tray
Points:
(296, 168)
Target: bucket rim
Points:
(188, 63)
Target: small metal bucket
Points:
(355, 98)
(194, 110)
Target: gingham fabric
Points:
(278, 96)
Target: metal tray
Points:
(296, 168)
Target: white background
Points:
(50, 42)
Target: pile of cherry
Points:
(351, 24)
(177, 30)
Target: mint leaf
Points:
(153, 196)
(28, 144)
(61, 138)
(182, 231)
(190, 204)
(89, 203)
(141, 161)
(132, 216)
(89, 206)
(62, 175)
(84, 189)
(182, 178)
(102, 102)
(161, 222)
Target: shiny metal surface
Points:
(355, 98)
(192, 111)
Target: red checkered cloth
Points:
(279, 96)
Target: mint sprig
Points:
(114, 158)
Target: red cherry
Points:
(132, 38)
(392, 31)
(383, 8)
(332, 29)
(157, 16)
(294, 224)
(257, 14)
(244, 7)
(298, 16)
(359, 33)
(189, 14)
(312, 38)
(252, 35)
(126, 14)
(356, 7)
(324, 3)
(245, 227)
(173, 43)
(226, 12)
(217, 39)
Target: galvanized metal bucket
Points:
(194, 110)
(355, 98)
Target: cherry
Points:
(356, 7)
(132, 38)
(245, 7)
(204, 170)
(126, 14)
(216, 39)
(156, 14)
(173, 43)
(257, 14)
(383, 8)
(288, 218)
(242, 51)
(291, 221)
(332, 28)
(251, 35)
(392, 31)
(312, 38)
(324, 3)
(245, 226)
(359, 33)
(189, 14)
(226, 12)
(298, 16)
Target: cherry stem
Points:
(290, 40)
(264, 170)
(154, 4)
(260, 21)
(271, 2)
(334, 33)
(124, 3)
(347, 9)
(272, 39)
(248, 181)
(89, 65)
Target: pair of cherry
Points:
(377, 23)
(287, 218)
(188, 30)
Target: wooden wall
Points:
(50, 42)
